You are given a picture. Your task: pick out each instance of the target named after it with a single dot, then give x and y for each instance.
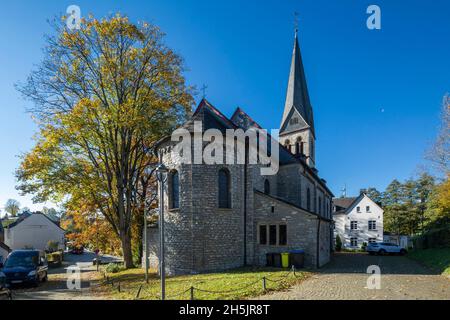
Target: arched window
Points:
(287, 144)
(299, 146)
(224, 189)
(174, 190)
(308, 199)
(267, 186)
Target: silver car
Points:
(383, 248)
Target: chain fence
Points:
(191, 291)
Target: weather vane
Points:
(296, 20)
(204, 87)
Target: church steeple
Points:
(297, 97)
(297, 126)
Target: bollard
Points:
(264, 283)
(192, 293)
(118, 286)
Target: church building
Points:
(223, 216)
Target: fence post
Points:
(139, 292)
(192, 293)
(264, 283)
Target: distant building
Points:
(33, 231)
(357, 220)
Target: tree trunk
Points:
(125, 239)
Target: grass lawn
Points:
(437, 259)
(235, 284)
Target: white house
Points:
(33, 231)
(357, 220)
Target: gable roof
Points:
(26, 216)
(211, 117)
(344, 205)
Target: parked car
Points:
(384, 248)
(77, 250)
(25, 267)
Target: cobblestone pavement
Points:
(345, 278)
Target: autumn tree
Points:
(103, 96)
(12, 207)
(437, 213)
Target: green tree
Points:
(12, 207)
(374, 194)
(394, 207)
(425, 186)
(103, 96)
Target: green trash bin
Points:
(285, 260)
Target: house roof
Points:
(291, 204)
(26, 216)
(343, 205)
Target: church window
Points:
(273, 235)
(308, 199)
(293, 121)
(282, 235)
(224, 189)
(266, 186)
(174, 185)
(263, 234)
(287, 145)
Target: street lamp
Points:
(161, 173)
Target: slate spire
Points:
(297, 96)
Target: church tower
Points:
(297, 126)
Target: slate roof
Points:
(343, 203)
(211, 117)
(297, 95)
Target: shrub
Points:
(52, 246)
(338, 243)
(364, 246)
(114, 268)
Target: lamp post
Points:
(161, 173)
(145, 244)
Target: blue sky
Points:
(242, 51)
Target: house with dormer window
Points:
(357, 220)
